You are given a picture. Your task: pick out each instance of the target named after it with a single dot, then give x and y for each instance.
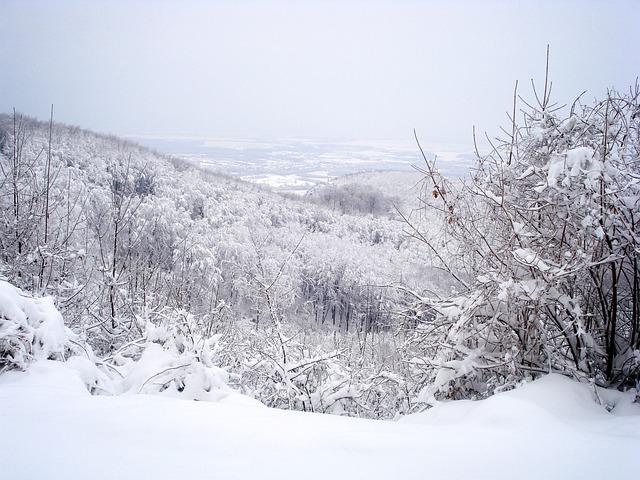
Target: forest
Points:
(151, 275)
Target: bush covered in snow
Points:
(543, 244)
(30, 329)
(170, 358)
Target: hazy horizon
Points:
(285, 69)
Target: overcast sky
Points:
(311, 69)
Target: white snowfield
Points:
(52, 428)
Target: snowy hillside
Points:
(140, 249)
(150, 311)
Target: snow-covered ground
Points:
(551, 428)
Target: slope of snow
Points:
(551, 428)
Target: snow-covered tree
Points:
(542, 246)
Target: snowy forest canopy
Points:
(151, 275)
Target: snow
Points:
(577, 162)
(550, 428)
(528, 257)
(144, 422)
(30, 327)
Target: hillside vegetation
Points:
(128, 241)
(170, 279)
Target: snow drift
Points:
(550, 428)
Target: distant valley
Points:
(297, 165)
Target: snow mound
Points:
(550, 428)
(30, 329)
(165, 361)
(538, 405)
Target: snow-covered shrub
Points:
(30, 329)
(544, 250)
(173, 358)
(342, 374)
(306, 378)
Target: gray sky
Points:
(350, 69)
